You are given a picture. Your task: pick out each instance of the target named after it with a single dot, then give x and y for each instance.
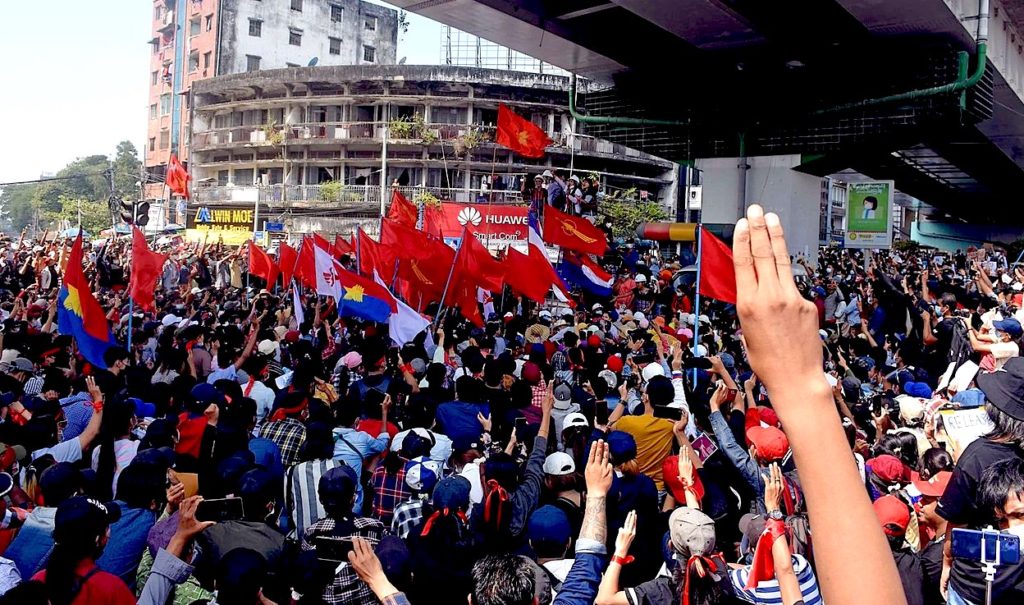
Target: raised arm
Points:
(780, 328)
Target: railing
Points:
(264, 134)
(333, 197)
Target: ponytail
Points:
(62, 584)
(696, 580)
(497, 508)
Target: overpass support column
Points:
(772, 182)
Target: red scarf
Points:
(704, 565)
(437, 515)
(763, 567)
(190, 434)
(493, 514)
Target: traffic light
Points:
(142, 214)
(126, 211)
(134, 213)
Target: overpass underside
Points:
(754, 78)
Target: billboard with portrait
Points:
(869, 208)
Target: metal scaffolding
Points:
(466, 50)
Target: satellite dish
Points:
(313, 61)
(401, 61)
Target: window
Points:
(165, 139)
(193, 26)
(209, 23)
(156, 46)
(295, 37)
(158, 12)
(335, 46)
(152, 143)
(297, 5)
(369, 53)
(154, 77)
(337, 13)
(370, 24)
(255, 28)
(206, 60)
(165, 104)
(193, 61)
(252, 63)
(152, 111)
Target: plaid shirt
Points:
(397, 598)
(388, 491)
(408, 515)
(539, 391)
(346, 588)
(289, 435)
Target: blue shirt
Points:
(78, 412)
(458, 419)
(352, 447)
(30, 549)
(123, 552)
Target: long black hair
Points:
(62, 583)
(117, 423)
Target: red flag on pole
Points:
(573, 232)
(146, 268)
(529, 278)
(402, 211)
(177, 177)
(321, 242)
(519, 134)
(261, 265)
(476, 264)
(717, 274)
(286, 257)
(343, 246)
(305, 264)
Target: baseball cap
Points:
(614, 364)
(463, 444)
(207, 393)
(558, 464)
(935, 486)
(563, 396)
(771, 443)
(1004, 388)
(452, 493)
(752, 526)
(422, 473)
(280, 331)
(267, 347)
(768, 416)
(574, 419)
(621, 446)
(889, 468)
(531, 372)
(60, 482)
(337, 486)
(549, 524)
(691, 532)
(11, 453)
(21, 365)
(651, 370)
(917, 389)
(893, 515)
(609, 377)
(416, 443)
(1009, 325)
(143, 409)
(911, 408)
(82, 518)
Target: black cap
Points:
(60, 482)
(82, 518)
(337, 486)
(1004, 388)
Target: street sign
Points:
(273, 227)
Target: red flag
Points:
(374, 256)
(177, 177)
(476, 263)
(573, 232)
(146, 268)
(433, 218)
(717, 274)
(402, 210)
(531, 275)
(519, 134)
(286, 257)
(426, 270)
(464, 296)
(321, 243)
(305, 264)
(342, 247)
(261, 265)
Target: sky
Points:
(76, 82)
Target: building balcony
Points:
(316, 132)
(335, 200)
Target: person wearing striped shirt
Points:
(301, 480)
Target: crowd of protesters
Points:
(793, 453)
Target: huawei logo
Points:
(469, 216)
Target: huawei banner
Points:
(496, 226)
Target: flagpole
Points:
(490, 190)
(451, 271)
(696, 304)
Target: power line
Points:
(54, 178)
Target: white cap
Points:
(267, 347)
(548, 174)
(638, 316)
(574, 178)
(609, 377)
(651, 370)
(641, 278)
(1006, 278)
(596, 307)
(559, 463)
(574, 419)
(701, 351)
(545, 314)
(170, 319)
(8, 356)
(196, 291)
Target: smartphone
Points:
(333, 549)
(520, 427)
(220, 509)
(732, 394)
(700, 363)
(189, 480)
(986, 546)
(601, 412)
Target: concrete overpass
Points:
(800, 89)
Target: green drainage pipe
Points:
(962, 83)
(613, 119)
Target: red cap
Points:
(549, 349)
(614, 363)
(594, 341)
(893, 515)
(768, 416)
(771, 443)
(670, 471)
(531, 372)
(889, 468)
(933, 487)
(291, 336)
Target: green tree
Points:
(95, 215)
(127, 167)
(18, 203)
(627, 212)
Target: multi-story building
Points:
(318, 148)
(197, 39)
